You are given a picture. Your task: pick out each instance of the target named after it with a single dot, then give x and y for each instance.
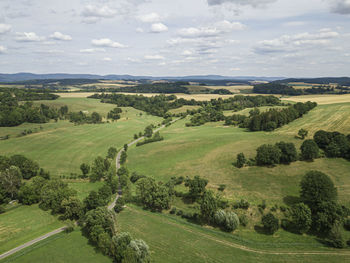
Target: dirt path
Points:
(36, 240)
(248, 249)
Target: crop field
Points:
(61, 147)
(23, 224)
(210, 150)
(61, 248)
(179, 241)
(320, 99)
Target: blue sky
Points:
(184, 37)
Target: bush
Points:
(241, 160)
(228, 221)
(268, 155)
(243, 204)
(335, 238)
(347, 224)
(173, 210)
(222, 187)
(119, 205)
(270, 223)
(301, 217)
(288, 152)
(179, 213)
(309, 150)
(243, 219)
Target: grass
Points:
(83, 188)
(23, 224)
(321, 99)
(179, 241)
(210, 150)
(247, 110)
(184, 109)
(60, 248)
(61, 147)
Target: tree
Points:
(28, 167)
(196, 186)
(317, 187)
(270, 223)
(309, 150)
(95, 117)
(288, 152)
(123, 157)
(326, 216)
(302, 133)
(153, 195)
(208, 206)
(105, 193)
(112, 152)
(138, 250)
(85, 169)
(119, 246)
(93, 200)
(98, 169)
(98, 221)
(301, 217)
(268, 154)
(119, 205)
(11, 180)
(27, 195)
(125, 147)
(335, 238)
(72, 208)
(228, 221)
(241, 160)
(148, 131)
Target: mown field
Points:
(61, 147)
(60, 248)
(210, 150)
(174, 240)
(23, 224)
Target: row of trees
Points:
(277, 88)
(334, 144)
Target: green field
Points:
(61, 248)
(210, 150)
(24, 223)
(83, 188)
(174, 240)
(61, 147)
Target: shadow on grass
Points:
(291, 200)
(261, 230)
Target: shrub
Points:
(335, 238)
(301, 217)
(270, 223)
(268, 155)
(241, 160)
(347, 224)
(179, 212)
(243, 204)
(228, 221)
(222, 187)
(173, 210)
(243, 219)
(309, 150)
(288, 152)
(119, 205)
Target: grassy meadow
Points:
(61, 147)
(179, 241)
(24, 223)
(60, 248)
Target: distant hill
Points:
(343, 81)
(196, 78)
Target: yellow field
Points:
(320, 99)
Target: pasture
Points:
(61, 147)
(176, 240)
(24, 223)
(61, 248)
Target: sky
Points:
(284, 38)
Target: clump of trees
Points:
(334, 144)
(228, 221)
(155, 138)
(114, 114)
(81, 117)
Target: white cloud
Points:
(187, 53)
(2, 49)
(149, 18)
(107, 59)
(98, 12)
(294, 23)
(134, 60)
(287, 43)
(154, 57)
(139, 30)
(106, 42)
(253, 3)
(211, 31)
(340, 7)
(92, 50)
(60, 36)
(158, 28)
(4, 28)
(28, 37)
(235, 69)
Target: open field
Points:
(247, 110)
(320, 99)
(179, 241)
(83, 188)
(184, 109)
(23, 224)
(61, 248)
(210, 150)
(63, 146)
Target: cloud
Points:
(253, 3)
(92, 50)
(187, 53)
(28, 37)
(340, 7)
(60, 36)
(139, 30)
(294, 23)
(289, 43)
(106, 42)
(211, 31)
(98, 12)
(2, 49)
(4, 28)
(154, 57)
(149, 18)
(158, 28)
(107, 59)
